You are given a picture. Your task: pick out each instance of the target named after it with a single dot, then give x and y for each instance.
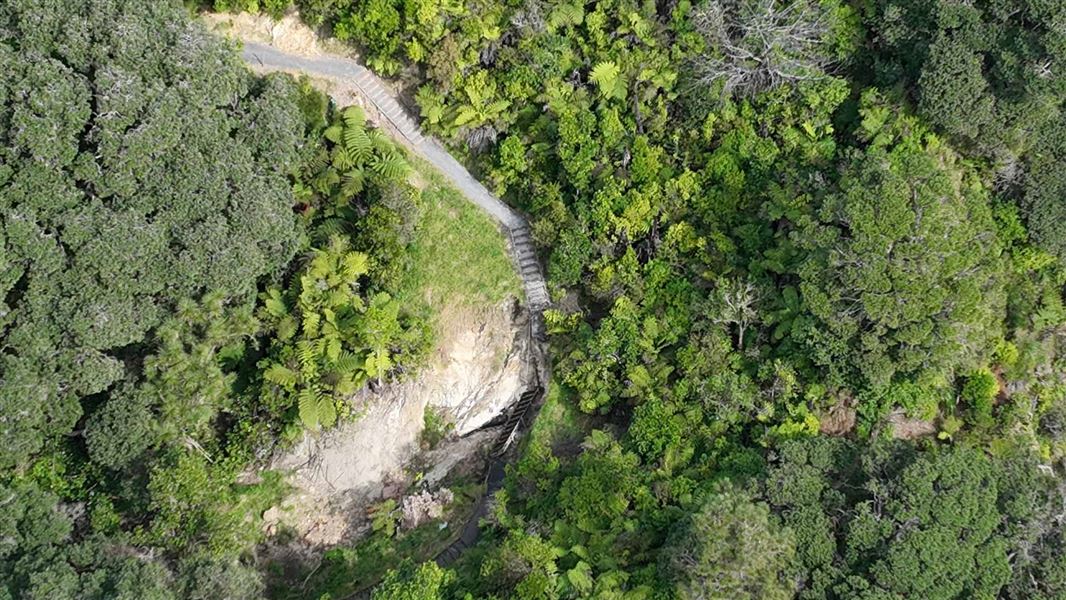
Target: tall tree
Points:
(141, 164)
(730, 548)
(902, 273)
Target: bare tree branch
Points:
(758, 45)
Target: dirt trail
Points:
(353, 79)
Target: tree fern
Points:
(316, 408)
(329, 339)
(390, 167)
(640, 27)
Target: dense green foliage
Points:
(902, 275)
(891, 522)
(330, 339)
(115, 207)
(763, 223)
(730, 549)
(39, 561)
(412, 583)
(985, 72)
(198, 264)
(809, 331)
(131, 258)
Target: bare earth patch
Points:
(839, 419)
(289, 34)
(908, 428)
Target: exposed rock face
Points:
(424, 506)
(480, 367)
(481, 373)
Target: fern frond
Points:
(331, 227)
(382, 144)
(316, 409)
(377, 138)
(286, 328)
(354, 182)
(333, 348)
(307, 355)
(341, 159)
(334, 133)
(605, 74)
(311, 323)
(317, 162)
(390, 167)
(358, 144)
(337, 297)
(323, 184)
(281, 375)
(355, 265)
(274, 303)
(348, 383)
(329, 316)
(348, 363)
(319, 268)
(354, 116)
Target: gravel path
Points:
(352, 77)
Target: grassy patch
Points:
(459, 255)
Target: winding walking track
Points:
(350, 77)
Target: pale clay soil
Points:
(477, 372)
(288, 34)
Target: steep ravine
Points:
(485, 364)
(481, 368)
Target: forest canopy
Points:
(168, 223)
(115, 206)
(805, 257)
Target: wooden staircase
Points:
(514, 421)
(494, 477)
(525, 256)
